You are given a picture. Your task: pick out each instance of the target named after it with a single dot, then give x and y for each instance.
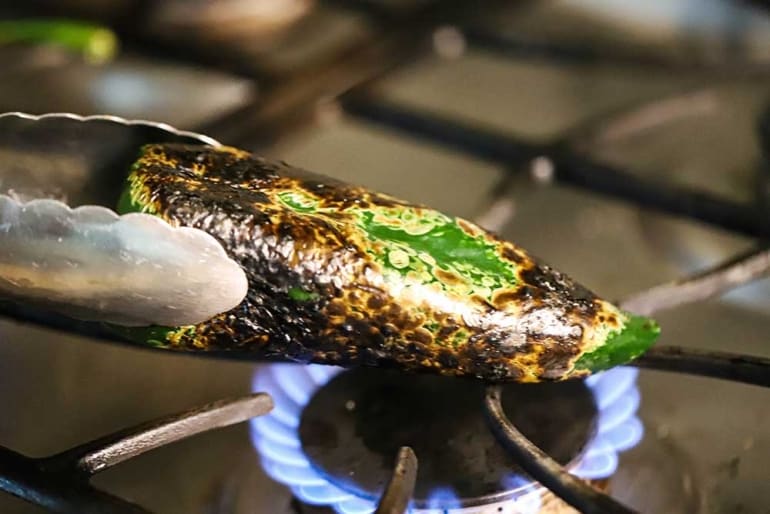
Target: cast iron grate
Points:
(61, 482)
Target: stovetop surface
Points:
(711, 438)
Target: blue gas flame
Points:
(276, 438)
(443, 498)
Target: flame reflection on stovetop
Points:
(277, 440)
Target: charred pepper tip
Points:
(635, 338)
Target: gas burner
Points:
(351, 428)
(332, 436)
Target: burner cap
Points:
(352, 428)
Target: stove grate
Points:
(60, 483)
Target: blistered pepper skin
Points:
(341, 275)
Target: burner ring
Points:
(277, 438)
(351, 428)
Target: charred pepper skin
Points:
(342, 275)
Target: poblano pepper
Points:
(342, 275)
